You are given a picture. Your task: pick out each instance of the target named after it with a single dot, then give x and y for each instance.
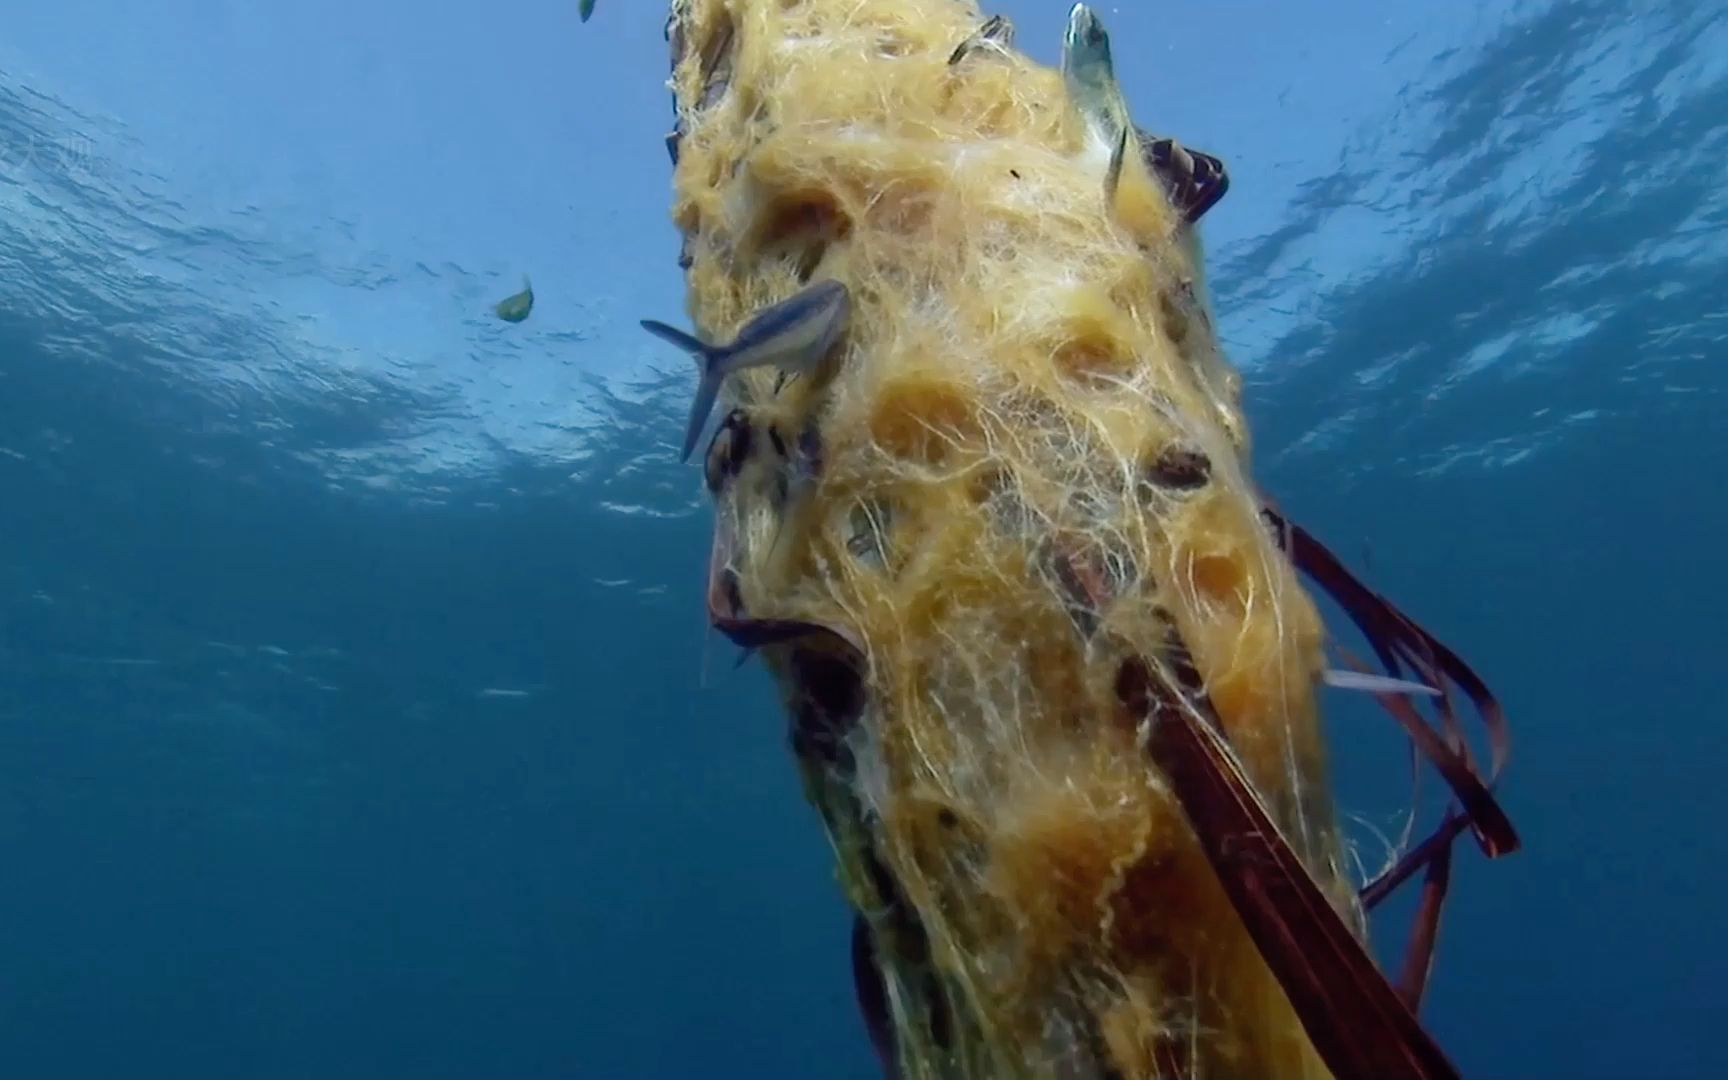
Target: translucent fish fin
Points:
(707, 389)
(710, 370)
(1113, 175)
(688, 342)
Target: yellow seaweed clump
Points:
(1032, 465)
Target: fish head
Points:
(1085, 42)
(836, 303)
(830, 301)
(1090, 78)
(797, 333)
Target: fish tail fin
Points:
(688, 342)
(711, 370)
(707, 389)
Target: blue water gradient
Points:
(356, 713)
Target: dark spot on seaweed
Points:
(814, 740)
(917, 949)
(887, 890)
(810, 449)
(836, 687)
(1015, 173)
(714, 464)
(717, 62)
(947, 818)
(998, 493)
(869, 521)
(1134, 686)
(730, 589)
(809, 261)
(892, 45)
(1175, 317)
(799, 227)
(728, 450)
(833, 700)
(1076, 596)
(779, 443)
(1182, 468)
(941, 1024)
(1143, 694)
(1176, 654)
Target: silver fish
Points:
(997, 33)
(1375, 684)
(1090, 77)
(793, 335)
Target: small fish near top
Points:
(587, 9)
(1090, 77)
(515, 308)
(793, 335)
(997, 34)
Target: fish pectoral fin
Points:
(707, 389)
(1113, 175)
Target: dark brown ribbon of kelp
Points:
(1360, 1026)
(1398, 640)
(1194, 179)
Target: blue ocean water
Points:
(356, 716)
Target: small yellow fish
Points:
(587, 9)
(516, 308)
